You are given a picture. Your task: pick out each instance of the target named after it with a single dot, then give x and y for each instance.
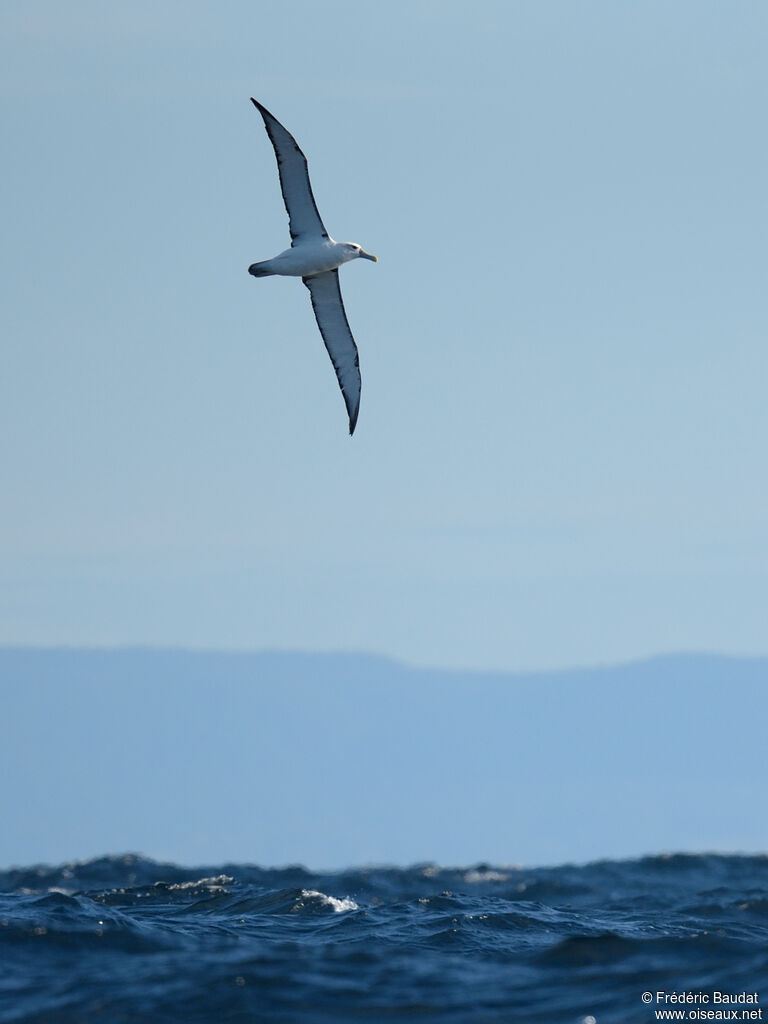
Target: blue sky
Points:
(559, 458)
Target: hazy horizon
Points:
(525, 670)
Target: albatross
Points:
(315, 258)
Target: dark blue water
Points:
(126, 939)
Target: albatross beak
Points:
(367, 256)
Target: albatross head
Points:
(356, 251)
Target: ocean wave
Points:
(235, 943)
(339, 906)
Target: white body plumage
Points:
(308, 257)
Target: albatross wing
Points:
(304, 220)
(332, 321)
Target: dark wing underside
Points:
(332, 321)
(304, 220)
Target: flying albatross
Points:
(315, 258)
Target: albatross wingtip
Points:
(262, 109)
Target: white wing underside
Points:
(332, 321)
(304, 220)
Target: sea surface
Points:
(126, 939)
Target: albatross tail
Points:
(261, 269)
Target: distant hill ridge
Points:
(685, 662)
(338, 759)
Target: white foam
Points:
(339, 906)
(215, 884)
(485, 876)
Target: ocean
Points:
(126, 939)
